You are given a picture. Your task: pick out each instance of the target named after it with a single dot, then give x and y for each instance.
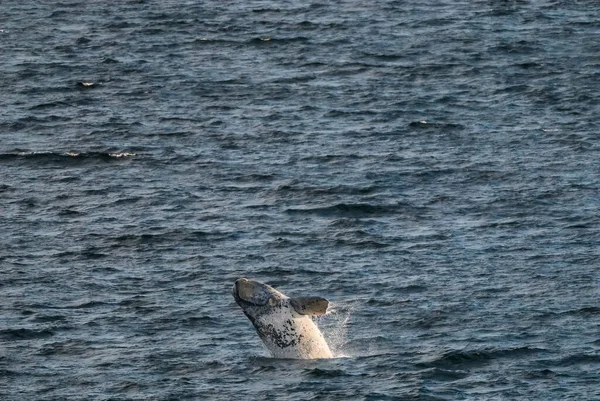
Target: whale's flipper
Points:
(310, 305)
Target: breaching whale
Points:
(284, 324)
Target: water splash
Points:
(334, 325)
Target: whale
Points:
(284, 324)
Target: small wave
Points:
(293, 39)
(86, 305)
(577, 359)
(367, 244)
(7, 372)
(266, 10)
(385, 303)
(349, 113)
(207, 41)
(540, 374)
(454, 358)
(444, 374)
(326, 373)
(356, 210)
(385, 56)
(422, 124)
(586, 311)
(529, 65)
(470, 358)
(327, 190)
(295, 79)
(191, 321)
(119, 155)
(176, 236)
(70, 213)
(68, 347)
(266, 40)
(49, 105)
(49, 318)
(281, 243)
(263, 368)
(61, 157)
(279, 271)
(25, 334)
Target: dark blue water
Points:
(431, 167)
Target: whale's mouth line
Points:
(236, 294)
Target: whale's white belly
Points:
(291, 337)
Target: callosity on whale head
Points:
(284, 324)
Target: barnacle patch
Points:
(283, 338)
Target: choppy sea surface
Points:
(431, 167)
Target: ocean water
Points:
(431, 167)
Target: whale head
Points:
(284, 324)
